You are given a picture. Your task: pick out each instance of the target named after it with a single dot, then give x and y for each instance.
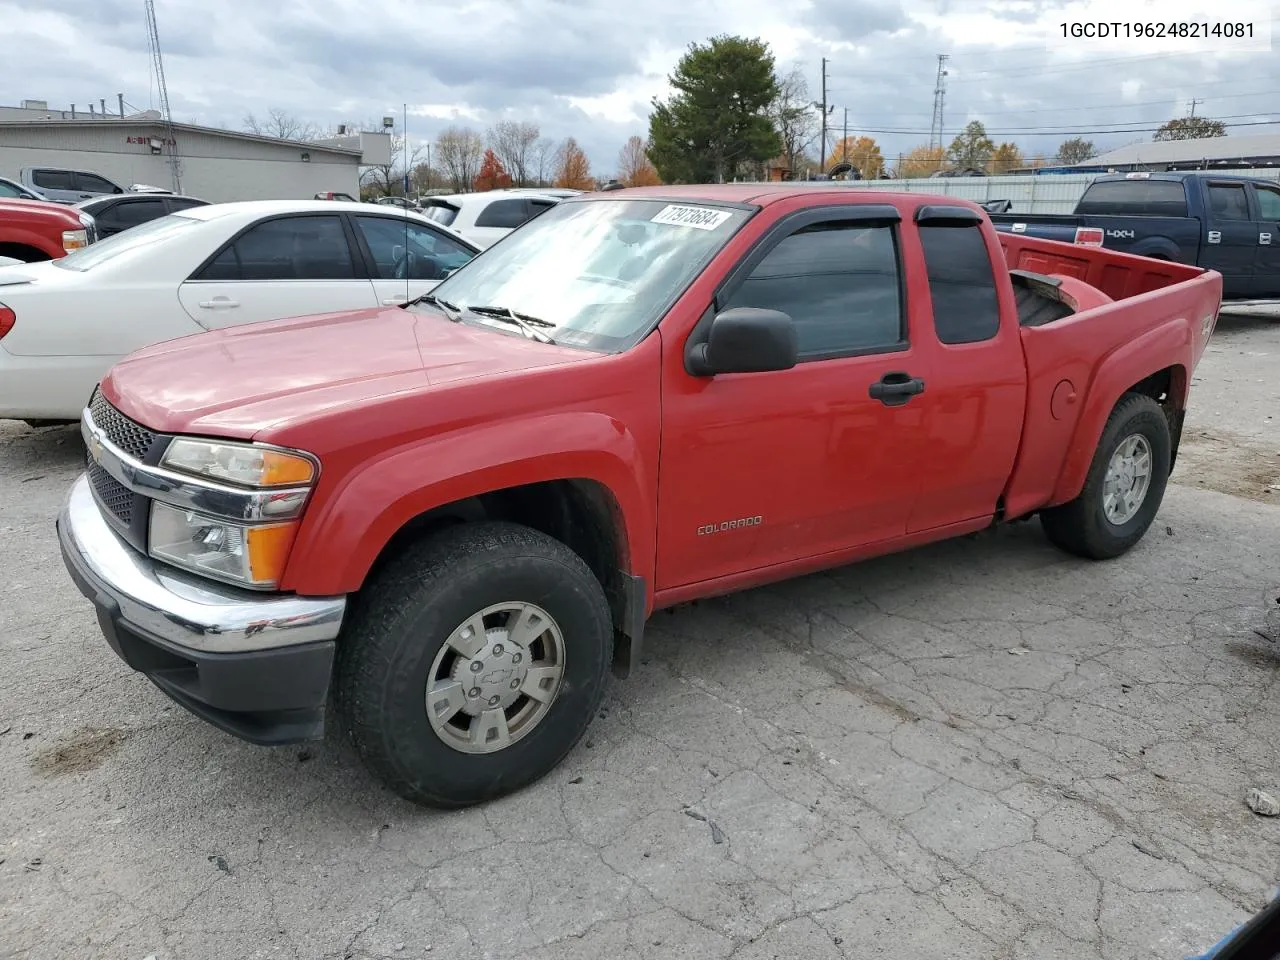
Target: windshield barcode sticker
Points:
(700, 218)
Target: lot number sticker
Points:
(700, 218)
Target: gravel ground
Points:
(982, 749)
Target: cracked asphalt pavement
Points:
(982, 749)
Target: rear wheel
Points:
(474, 663)
(1124, 487)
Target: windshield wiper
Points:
(448, 309)
(528, 325)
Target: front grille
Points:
(113, 495)
(133, 438)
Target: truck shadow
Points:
(34, 453)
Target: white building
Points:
(215, 165)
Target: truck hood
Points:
(33, 209)
(239, 381)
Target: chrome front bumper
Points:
(182, 610)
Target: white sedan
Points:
(65, 322)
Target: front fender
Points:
(346, 528)
(1129, 364)
(28, 238)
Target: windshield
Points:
(144, 235)
(598, 273)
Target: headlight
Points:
(74, 239)
(253, 556)
(240, 463)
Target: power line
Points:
(1104, 106)
(1060, 131)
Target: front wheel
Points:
(474, 663)
(1124, 487)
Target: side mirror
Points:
(745, 340)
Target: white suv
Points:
(485, 218)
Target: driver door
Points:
(408, 258)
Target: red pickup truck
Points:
(458, 514)
(32, 230)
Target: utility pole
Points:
(822, 160)
(939, 97)
(1193, 106)
(844, 142)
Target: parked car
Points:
(34, 230)
(12, 190)
(1224, 222)
(203, 268)
(396, 202)
(485, 218)
(115, 214)
(472, 504)
(330, 195)
(67, 186)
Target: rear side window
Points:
(1139, 198)
(838, 282)
(508, 214)
(53, 179)
(962, 284)
(1269, 201)
(92, 183)
(288, 248)
(1228, 201)
(132, 213)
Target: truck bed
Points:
(1084, 309)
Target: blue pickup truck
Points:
(1225, 223)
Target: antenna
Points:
(404, 155)
(171, 142)
(939, 97)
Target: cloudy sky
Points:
(588, 68)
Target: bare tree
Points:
(387, 179)
(282, 125)
(459, 150)
(793, 117)
(513, 144)
(634, 167)
(543, 160)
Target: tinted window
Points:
(504, 213)
(962, 285)
(133, 212)
(402, 249)
(185, 203)
(1229, 202)
(290, 248)
(441, 214)
(837, 281)
(1269, 201)
(9, 190)
(1140, 198)
(92, 183)
(225, 266)
(53, 179)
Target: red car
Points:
(32, 230)
(460, 513)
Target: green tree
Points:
(973, 148)
(718, 117)
(1191, 128)
(1075, 150)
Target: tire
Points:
(398, 640)
(1082, 526)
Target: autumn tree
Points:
(634, 167)
(513, 144)
(492, 176)
(862, 152)
(572, 169)
(1190, 128)
(921, 162)
(972, 148)
(718, 117)
(1075, 150)
(1004, 158)
(459, 150)
(793, 117)
(282, 125)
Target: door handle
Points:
(1264, 239)
(219, 303)
(895, 389)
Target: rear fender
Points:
(1160, 248)
(1125, 367)
(347, 527)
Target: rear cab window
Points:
(507, 214)
(1137, 198)
(962, 283)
